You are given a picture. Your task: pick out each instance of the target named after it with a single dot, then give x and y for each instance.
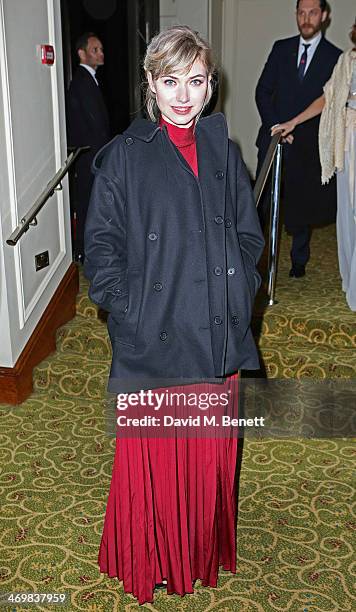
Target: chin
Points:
(184, 120)
(181, 121)
(308, 33)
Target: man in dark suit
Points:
(294, 75)
(87, 124)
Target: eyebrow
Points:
(170, 76)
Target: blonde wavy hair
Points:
(175, 50)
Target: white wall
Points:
(33, 147)
(185, 12)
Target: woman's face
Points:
(181, 97)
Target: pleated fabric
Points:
(171, 511)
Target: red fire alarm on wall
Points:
(47, 55)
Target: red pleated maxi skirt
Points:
(171, 511)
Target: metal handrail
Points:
(30, 219)
(273, 225)
(273, 160)
(266, 167)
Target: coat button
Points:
(218, 270)
(129, 140)
(219, 175)
(217, 320)
(228, 223)
(163, 336)
(218, 220)
(152, 236)
(235, 321)
(117, 291)
(158, 286)
(231, 271)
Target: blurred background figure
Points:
(87, 124)
(294, 75)
(337, 143)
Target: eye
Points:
(196, 82)
(169, 82)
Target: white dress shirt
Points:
(91, 71)
(313, 42)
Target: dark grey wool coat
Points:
(173, 257)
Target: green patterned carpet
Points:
(295, 522)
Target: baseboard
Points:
(16, 383)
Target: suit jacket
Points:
(88, 121)
(280, 96)
(279, 93)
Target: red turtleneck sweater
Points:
(184, 140)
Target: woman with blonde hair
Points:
(337, 147)
(172, 242)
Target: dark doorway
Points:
(124, 27)
(108, 19)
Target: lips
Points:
(182, 110)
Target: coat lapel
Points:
(315, 63)
(292, 60)
(212, 151)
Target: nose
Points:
(183, 94)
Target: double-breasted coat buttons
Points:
(129, 140)
(218, 270)
(158, 286)
(218, 320)
(219, 175)
(152, 236)
(163, 336)
(218, 220)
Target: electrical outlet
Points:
(41, 260)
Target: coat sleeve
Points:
(266, 88)
(248, 226)
(78, 126)
(105, 246)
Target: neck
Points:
(87, 65)
(164, 121)
(310, 41)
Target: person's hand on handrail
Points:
(286, 129)
(311, 111)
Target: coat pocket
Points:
(253, 278)
(125, 330)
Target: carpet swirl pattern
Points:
(296, 517)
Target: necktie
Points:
(303, 62)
